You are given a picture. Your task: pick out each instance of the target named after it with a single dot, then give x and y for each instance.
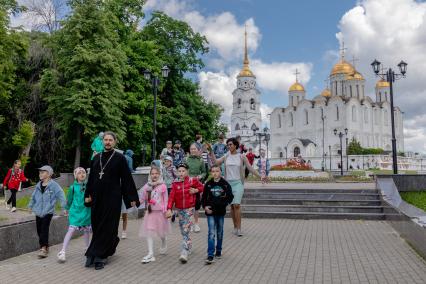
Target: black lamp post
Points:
(155, 81)
(267, 138)
(340, 134)
(347, 156)
(285, 148)
(329, 151)
(323, 140)
(390, 76)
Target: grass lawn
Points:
(23, 201)
(416, 198)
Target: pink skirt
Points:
(154, 224)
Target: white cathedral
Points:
(306, 127)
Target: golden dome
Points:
(326, 93)
(245, 72)
(355, 76)
(382, 84)
(296, 87)
(343, 67)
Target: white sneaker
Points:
(183, 258)
(235, 231)
(61, 256)
(7, 205)
(197, 228)
(239, 233)
(13, 209)
(124, 235)
(163, 250)
(147, 259)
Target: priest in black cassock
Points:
(110, 181)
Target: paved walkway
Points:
(272, 251)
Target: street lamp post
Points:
(143, 154)
(267, 138)
(155, 82)
(347, 156)
(329, 151)
(340, 134)
(390, 76)
(285, 148)
(323, 140)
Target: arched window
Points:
(237, 126)
(252, 104)
(353, 113)
(253, 126)
(291, 119)
(306, 117)
(296, 151)
(239, 103)
(337, 112)
(279, 121)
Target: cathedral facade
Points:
(306, 127)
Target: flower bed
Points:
(293, 165)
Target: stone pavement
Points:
(272, 251)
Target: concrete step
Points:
(322, 190)
(282, 201)
(313, 196)
(312, 208)
(310, 215)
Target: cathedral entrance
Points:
(296, 151)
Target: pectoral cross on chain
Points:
(101, 174)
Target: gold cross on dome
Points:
(342, 50)
(296, 73)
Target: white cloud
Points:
(224, 34)
(392, 30)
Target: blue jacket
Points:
(128, 155)
(44, 203)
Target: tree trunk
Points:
(77, 148)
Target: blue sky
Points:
(292, 31)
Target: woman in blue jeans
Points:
(217, 195)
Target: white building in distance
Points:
(306, 127)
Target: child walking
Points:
(183, 197)
(42, 203)
(13, 180)
(263, 166)
(78, 214)
(169, 175)
(217, 195)
(155, 222)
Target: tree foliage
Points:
(86, 75)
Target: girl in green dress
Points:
(79, 215)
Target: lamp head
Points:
(402, 67)
(165, 71)
(376, 66)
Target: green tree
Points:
(354, 147)
(86, 87)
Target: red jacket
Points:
(12, 181)
(180, 196)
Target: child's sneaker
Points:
(147, 259)
(173, 217)
(239, 233)
(218, 255)
(13, 209)
(61, 256)
(197, 228)
(209, 260)
(183, 257)
(42, 253)
(124, 235)
(163, 250)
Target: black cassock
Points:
(107, 192)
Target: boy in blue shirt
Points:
(42, 203)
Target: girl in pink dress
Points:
(155, 224)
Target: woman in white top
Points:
(235, 164)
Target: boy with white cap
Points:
(46, 194)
